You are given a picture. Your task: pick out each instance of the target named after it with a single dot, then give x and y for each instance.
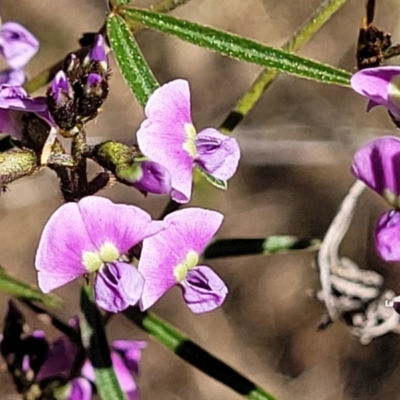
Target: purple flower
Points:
(168, 137)
(146, 176)
(17, 44)
(92, 236)
(377, 164)
(125, 357)
(13, 100)
(171, 256)
(381, 86)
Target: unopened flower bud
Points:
(96, 60)
(61, 101)
(146, 176)
(72, 67)
(95, 91)
(121, 160)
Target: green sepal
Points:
(218, 183)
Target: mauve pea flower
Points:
(17, 44)
(377, 164)
(171, 256)
(13, 101)
(381, 86)
(168, 136)
(92, 236)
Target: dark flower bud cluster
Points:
(79, 89)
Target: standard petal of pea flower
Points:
(381, 86)
(171, 258)
(168, 136)
(17, 44)
(92, 236)
(377, 164)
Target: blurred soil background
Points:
(267, 327)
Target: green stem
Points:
(309, 28)
(193, 354)
(278, 244)
(95, 342)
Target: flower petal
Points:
(387, 236)
(12, 77)
(117, 286)
(17, 44)
(60, 360)
(59, 255)
(379, 85)
(16, 98)
(377, 164)
(218, 154)
(81, 389)
(124, 376)
(187, 230)
(203, 290)
(163, 136)
(131, 352)
(122, 225)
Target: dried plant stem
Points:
(309, 28)
(328, 255)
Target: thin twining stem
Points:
(45, 77)
(183, 347)
(328, 255)
(309, 28)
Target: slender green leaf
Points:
(17, 288)
(240, 48)
(95, 342)
(218, 183)
(130, 60)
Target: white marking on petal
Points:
(190, 144)
(394, 89)
(181, 270)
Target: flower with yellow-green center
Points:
(168, 137)
(92, 236)
(171, 258)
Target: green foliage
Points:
(130, 60)
(240, 48)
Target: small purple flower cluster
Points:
(131, 258)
